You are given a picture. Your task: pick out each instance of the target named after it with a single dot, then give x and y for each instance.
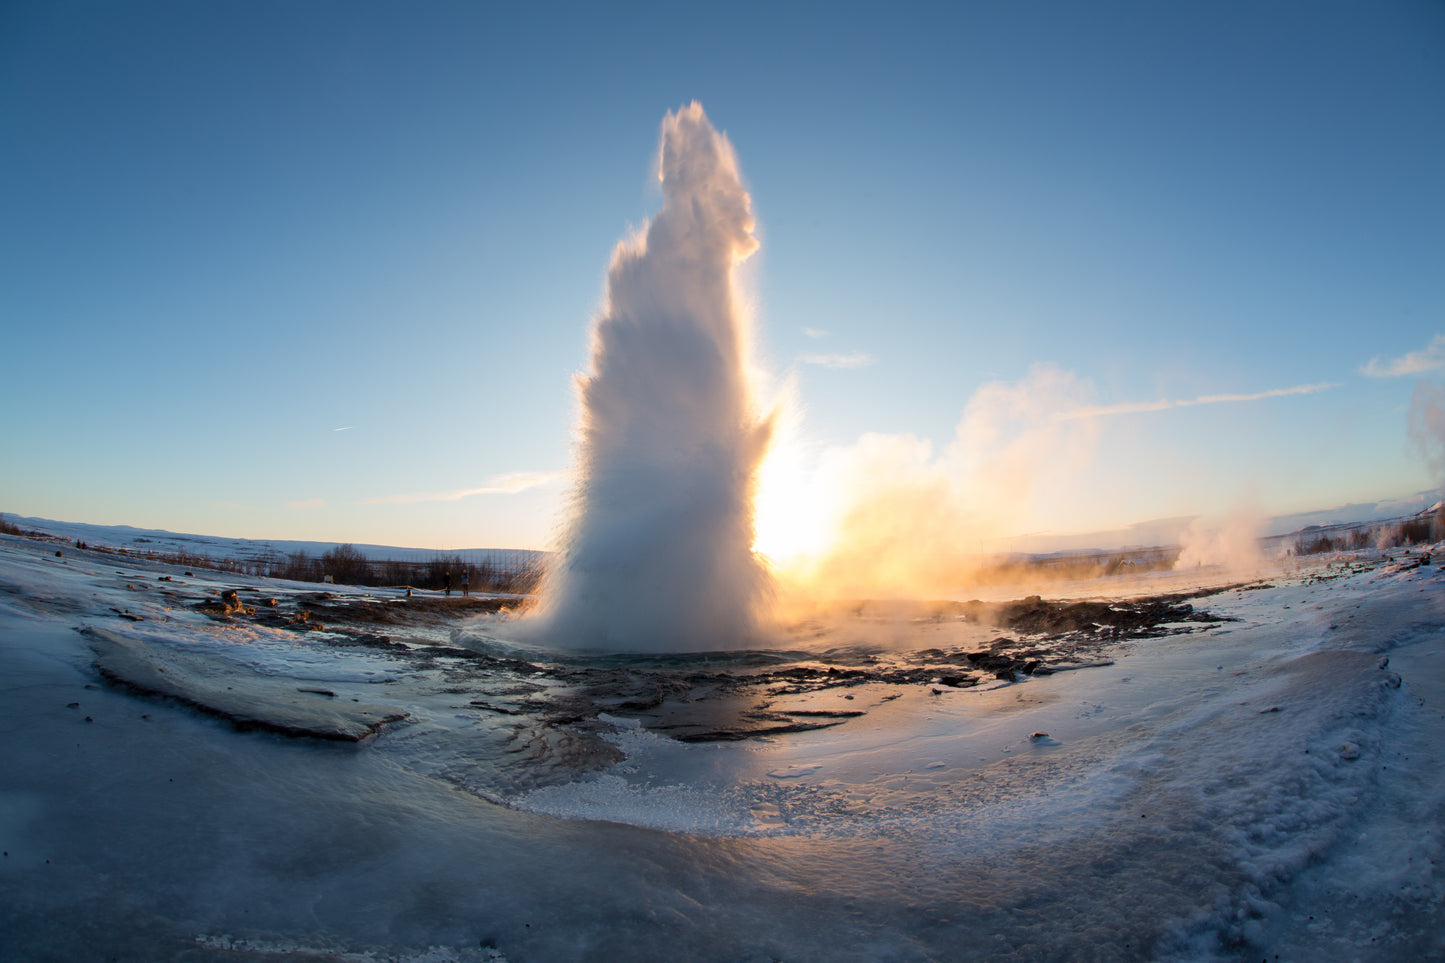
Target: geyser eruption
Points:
(658, 552)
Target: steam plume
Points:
(1427, 427)
(909, 521)
(657, 555)
(1231, 543)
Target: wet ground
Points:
(810, 681)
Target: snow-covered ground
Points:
(1272, 785)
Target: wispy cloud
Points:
(511, 483)
(346, 428)
(307, 505)
(816, 332)
(1138, 407)
(1428, 358)
(855, 360)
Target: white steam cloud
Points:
(1427, 427)
(1230, 543)
(906, 520)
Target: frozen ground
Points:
(1218, 790)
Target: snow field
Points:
(1265, 787)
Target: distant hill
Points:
(1353, 513)
(1169, 531)
(251, 550)
(1153, 533)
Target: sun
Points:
(792, 511)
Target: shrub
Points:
(346, 564)
(1318, 545)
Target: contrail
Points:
(1138, 407)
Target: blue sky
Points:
(231, 229)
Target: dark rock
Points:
(1002, 666)
(739, 734)
(229, 604)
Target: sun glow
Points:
(794, 513)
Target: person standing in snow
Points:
(448, 582)
(465, 577)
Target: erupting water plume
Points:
(658, 552)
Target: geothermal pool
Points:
(1265, 781)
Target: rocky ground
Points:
(694, 698)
